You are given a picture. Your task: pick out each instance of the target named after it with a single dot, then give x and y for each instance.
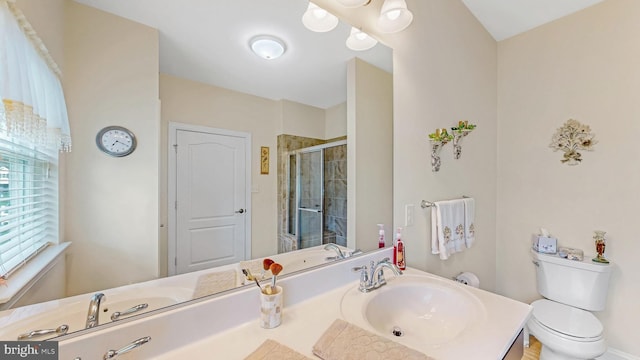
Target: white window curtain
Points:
(33, 107)
(33, 127)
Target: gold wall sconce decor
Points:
(264, 160)
(438, 139)
(570, 138)
(460, 132)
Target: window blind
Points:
(28, 203)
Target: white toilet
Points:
(562, 321)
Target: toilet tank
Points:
(583, 284)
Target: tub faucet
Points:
(94, 309)
(373, 278)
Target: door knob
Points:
(241, 211)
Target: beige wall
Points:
(190, 102)
(445, 70)
(584, 66)
(369, 157)
(336, 121)
(106, 82)
(302, 120)
(111, 204)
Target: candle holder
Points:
(438, 139)
(458, 135)
(600, 246)
(436, 147)
(460, 132)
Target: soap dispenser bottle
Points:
(399, 255)
(381, 236)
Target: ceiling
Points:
(208, 41)
(506, 18)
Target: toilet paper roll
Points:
(468, 278)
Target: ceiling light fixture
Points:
(318, 19)
(353, 3)
(267, 46)
(394, 16)
(360, 41)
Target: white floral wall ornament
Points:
(570, 138)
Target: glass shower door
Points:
(310, 197)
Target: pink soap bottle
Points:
(381, 236)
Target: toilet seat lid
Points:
(566, 319)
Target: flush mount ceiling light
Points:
(360, 41)
(267, 46)
(394, 16)
(318, 19)
(353, 3)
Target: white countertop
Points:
(304, 323)
(226, 326)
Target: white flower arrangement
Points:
(570, 138)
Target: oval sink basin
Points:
(421, 312)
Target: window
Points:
(28, 204)
(33, 126)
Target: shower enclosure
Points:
(317, 194)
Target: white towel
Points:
(447, 227)
(469, 219)
(214, 282)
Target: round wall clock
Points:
(116, 141)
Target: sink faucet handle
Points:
(364, 275)
(112, 354)
(362, 269)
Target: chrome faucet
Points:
(337, 249)
(373, 277)
(340, 253)
(94, 309)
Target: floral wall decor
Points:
(570, 138)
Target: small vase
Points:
(600, 246)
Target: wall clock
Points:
(116, 141)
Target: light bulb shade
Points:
(267, 47)
(360, 41)
(318, 19)
(353, 3)
(394, 16)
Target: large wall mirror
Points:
(319, 106)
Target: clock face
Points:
(116, 141)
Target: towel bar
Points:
(426, 204)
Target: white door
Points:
(211, 199)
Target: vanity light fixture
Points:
(353, 3)
(267, 47)
(394, 16)
(318, 19)
(360, 41)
